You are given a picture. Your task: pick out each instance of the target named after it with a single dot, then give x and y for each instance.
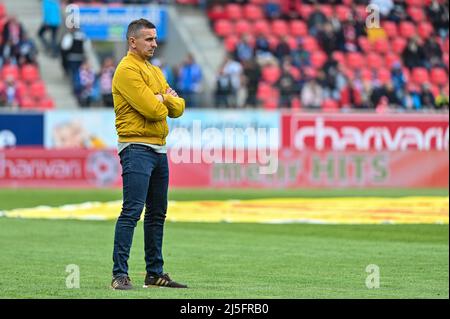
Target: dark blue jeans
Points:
(145, 176)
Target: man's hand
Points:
(171, 92)
(159, 97)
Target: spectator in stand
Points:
(9, 94)
(439, 16)
(287, 85)
(106, 76)
(190, 81)
(27, 51)
(349, 37)
(350, 97)
(282, 50)
(427, 98)
(223, 89)
(413, 55)
(398, 78)
(411, 98)
(385, 91)
(244, 50)
(328, 39)
(51, 12)
(433, 53)
(262, 47)
(300, 57)
(233, 69)
(442, 100)
(398, 14)
(9, 53)
(316, 20)
(252, 76)
(312, 94)
(12, 32)
(87, 80)
(272, 9)
(73, 47)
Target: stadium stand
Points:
(334, 56)
(20, 82)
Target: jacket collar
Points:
(136, 57)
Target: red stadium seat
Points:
(3, 12)
(304, 10)
(414, 3)
(374, 61)
(318, 59)
(425, 30)
(417, 14)
(37, 90)
(243, 27)
(355, 60)
(343, 12)
(384, 75)
(339, 57)
(233, 11)
(261, 26)
(391, 58)
(280, 28)
(230, 43)
(407, 29)
(382, 46)
(298, 28)
(390, 28)
(365, 44)
(29, 73)
(445, 58)
(398, 45)
(439, 76)
(271, 74)
(273, 41)
(361, 12)
(327, 10)
(310, 44)
(27, 103)
(46, 103)
(292, 42)
(217, 12)
(253, 12)
(10, 70)
(420, 75)
(330, 106)
(264, 90)
(366, 74)
(223, 28)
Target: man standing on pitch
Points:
(142, 101)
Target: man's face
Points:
(145, 43)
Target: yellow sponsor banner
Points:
(360, 210)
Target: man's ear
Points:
(132, 42)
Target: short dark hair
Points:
(137, 25)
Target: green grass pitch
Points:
(224, 260)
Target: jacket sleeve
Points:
(175, 105)
(132, 87)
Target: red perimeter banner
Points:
(313, 169)
(365, 132)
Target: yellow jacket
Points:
(140, 117)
